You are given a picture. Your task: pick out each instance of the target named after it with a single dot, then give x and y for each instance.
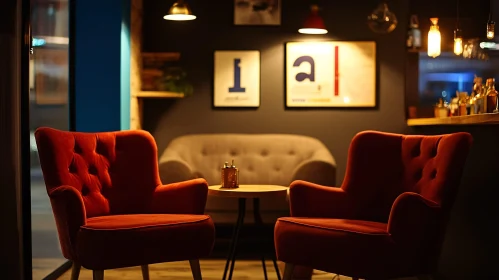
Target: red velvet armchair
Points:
(388, 218)
(110, 207)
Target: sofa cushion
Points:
(123, 240)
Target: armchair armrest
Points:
(70, 215)
(187, 197)
(414, 218)
(312, 200)
(174, 169)
(320, 169)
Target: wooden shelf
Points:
(159, 94)
(492, 118)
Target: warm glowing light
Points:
(458, 42)
(312, 31)
(180, 11)
(179, 17)
(346, 99)
(490, 30)
(458, 46)
(434, 39)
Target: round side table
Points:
(242, 193)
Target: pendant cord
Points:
(457, 16)
(490, 10)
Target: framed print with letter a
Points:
(237, 79)
(331, 74)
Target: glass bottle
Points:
(478, 92)
(471, 104)
(491, 96)
(463, 104)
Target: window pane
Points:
(49, 70)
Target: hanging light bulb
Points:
(458, 42)
(180, 11)
(382, 20)
(314, 23)
(490, 29)
(434, 39)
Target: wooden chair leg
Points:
(288, 271)
(98, 275)
(145, 271)
(75, 272)
(196, 269)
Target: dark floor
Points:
(46, 251)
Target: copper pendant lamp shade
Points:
(180, 11)
(314, 24)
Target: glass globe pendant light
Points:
(180, 11)
(382, 20)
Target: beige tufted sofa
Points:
(276, 159)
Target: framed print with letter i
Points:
(237, 79)
(331, 74)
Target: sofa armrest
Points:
(173, 169)
(414, 219)
(312, 200)
(70, 215)
(319, 169)
(187, 197)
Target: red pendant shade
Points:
(314, 21)
(314, 24)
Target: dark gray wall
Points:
(470, 242)
(214, 30)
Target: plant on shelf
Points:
(174, 79)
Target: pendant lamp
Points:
(314, 23)
(180, 11)
(434, 39)
(490, 24)
(458, 35)
(382, 20)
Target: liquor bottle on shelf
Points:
(479, 93)
(471, 104)
(491, 96)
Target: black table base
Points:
(231, 259)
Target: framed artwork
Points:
(51, 70)
(237, 79)
(331, 74)
(257, 12)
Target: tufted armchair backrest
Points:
(115, 172)
(261, 158)
(381, 166)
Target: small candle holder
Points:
(229, 176)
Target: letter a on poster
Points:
(237, 79)
(331, 74)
